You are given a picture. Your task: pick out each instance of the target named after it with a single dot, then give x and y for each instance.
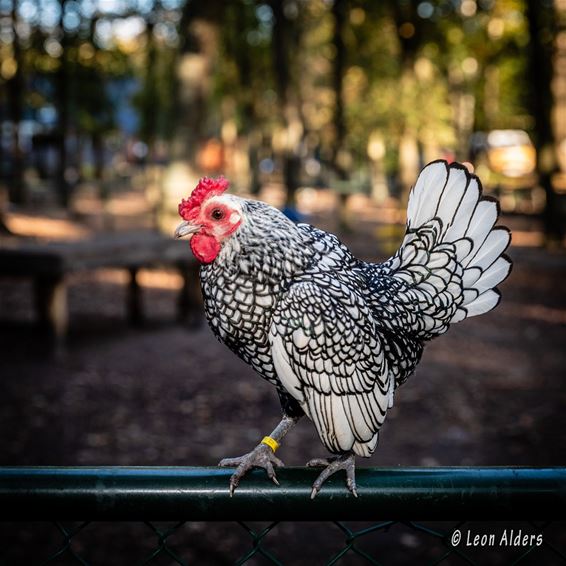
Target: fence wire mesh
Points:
(278, 543)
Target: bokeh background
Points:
(110, 112)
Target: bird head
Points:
(209, 218)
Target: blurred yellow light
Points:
(43, 227)
(470, 66)
(357, 16)
(355, 75)
(376, 146)
(9, 68)
(407, 30)
(160, 279)
(468, 8)
(455, 35)
(495, 28)
(513, 161)
(424, 68)
(229, 132)
(86, 51)
(53, 48)
(128, 46)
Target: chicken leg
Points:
(262, 456)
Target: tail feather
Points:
(493, 275)
(484, 303)
(453, 194)
(493, 246)
(481, 223)
(448, 219)
(427, 192)
(458, 224)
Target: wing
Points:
(328, 356)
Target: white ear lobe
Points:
(234, 218)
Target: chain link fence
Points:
(381, 543)
(198, 523)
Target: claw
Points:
(260, 457)
(344, 462)
(234, 482)
(352, 487)
(351, 479)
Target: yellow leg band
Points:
(271, 442)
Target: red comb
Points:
(205, 188)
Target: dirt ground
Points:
(488, 393)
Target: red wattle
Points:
(205, 247)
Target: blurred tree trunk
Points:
(542, 20)
(285, 41)
(149, 112)
(252, 134)
(559, 117)
(339, 11)
(97, 136)
(463, 102)
(199, 49)
(199, 31)
(61, 104)
(376, 150)
(4, 230)
(409, 34)
(97, 141)
(15, 92)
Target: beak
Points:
(186, 229)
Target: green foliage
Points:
(155, 100)
(411, 67)
(408, 65)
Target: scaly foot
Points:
(260, 457)
(345, 462)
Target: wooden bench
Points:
(50, 263)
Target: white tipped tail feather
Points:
(452, 257)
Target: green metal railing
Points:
(387, 496)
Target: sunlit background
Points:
(99, 98)
(111, 110)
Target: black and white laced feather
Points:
(337, 335)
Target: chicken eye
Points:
(217, 214)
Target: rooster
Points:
(336, 335)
